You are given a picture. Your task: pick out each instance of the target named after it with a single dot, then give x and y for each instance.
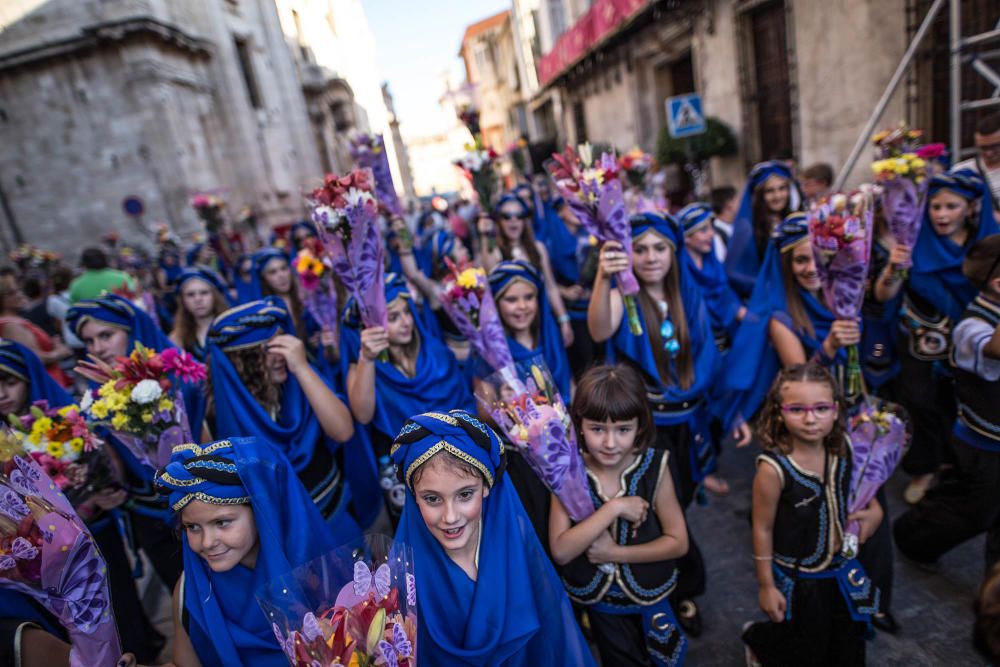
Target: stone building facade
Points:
(791, 78)
(157, 99)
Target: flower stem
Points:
(632, 313)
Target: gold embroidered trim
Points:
(10, 371)
(796, 244)
(454, 451)
(202, 451)
(440, 416)
(518, 279)
(211, 500)
(698, 226)
(173, 481)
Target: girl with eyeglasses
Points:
(515, 240)
(679, 361)
(818, 603)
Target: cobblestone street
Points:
(933, 608)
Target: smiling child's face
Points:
(451, 504)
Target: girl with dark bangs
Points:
(678, 359)
(201, 295)
(819, 603)
(619, 561)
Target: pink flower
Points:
(183, 365)
(930, 151)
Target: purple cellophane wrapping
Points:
(368, 152)
(488, 339)
(153, 449)
(843, 271)
(903, 207)
(72, 582)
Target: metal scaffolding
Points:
(959, 54)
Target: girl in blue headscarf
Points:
(489, 596)
(273, 273)
(959, 213)
(678, 359)
(110, 326)
(245, 520)
(515, 240)
(787, 323)
(201, 296)
(243, 279)
(23, 381)
(769, 196)
(262, 383)
(421, 373)
(522, 304)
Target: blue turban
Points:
(22, 363)
(516, 610)
(117, 311)
(206, 275)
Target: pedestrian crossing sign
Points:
(684, 116)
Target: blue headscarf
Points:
(206, 275)
(704, 355)
(22, 363)
(260, 261)
(437, 383)
(564, 248)
(171, 269)
(516, 611)
(721, 301)
(116, 311)
(549, 344)
(191, 256)
(937, 261)
(439, 244)
(742, 261)
(245, 288)
(753, 363)
(227, 627)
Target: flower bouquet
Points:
(525, 404)
(355, 606)
(368, 151)
(344, 212)
(479, 162)
(879, 433)
(139, 400)
(635, 165)
(209, 209)
(47, 553)
(901, 167)
(840, 234)
(61, 443)
(594, 194)
(318, 290)
(466, 297)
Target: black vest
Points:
(640, 583)
(978, 398)
(809, 524)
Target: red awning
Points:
(603, 18)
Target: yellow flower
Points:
(64, 411)
(117, 400)
(909, 157)
(75, 445)
(42, 425)
(165, 404)
(99, 409)
(469, 278)
(917, 163)
(55, 449)
(147, 418)
(106, 389)
(317, 268)
(119, 420)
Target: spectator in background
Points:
(34, 309)
(58, 303)
(14, 327)
(97, 277)
(725, 204)
(8, 277)
(816, 181)
(987, 160)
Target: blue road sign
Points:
(684, 116)
(132, 205)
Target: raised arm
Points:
(605, 310)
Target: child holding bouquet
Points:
(638, 526)
(936, 293)
(245, 519)
(967, 502)
(817, 601)
(487, 594)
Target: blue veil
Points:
(244, 288)
(437, 384)
(22, 363)
(720, 299)
(638, 349)
(550, 345)
(742, 262)
(751, 367)
(210, 277)
(937, 261)
(227, 627)
(260, 259)
(297, 430)
(516, 612)
(438, 245)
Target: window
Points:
(557, 20)
(773, 98)
(249, 78)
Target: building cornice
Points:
(101, 35)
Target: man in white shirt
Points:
(725, 204)
(987, 160)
